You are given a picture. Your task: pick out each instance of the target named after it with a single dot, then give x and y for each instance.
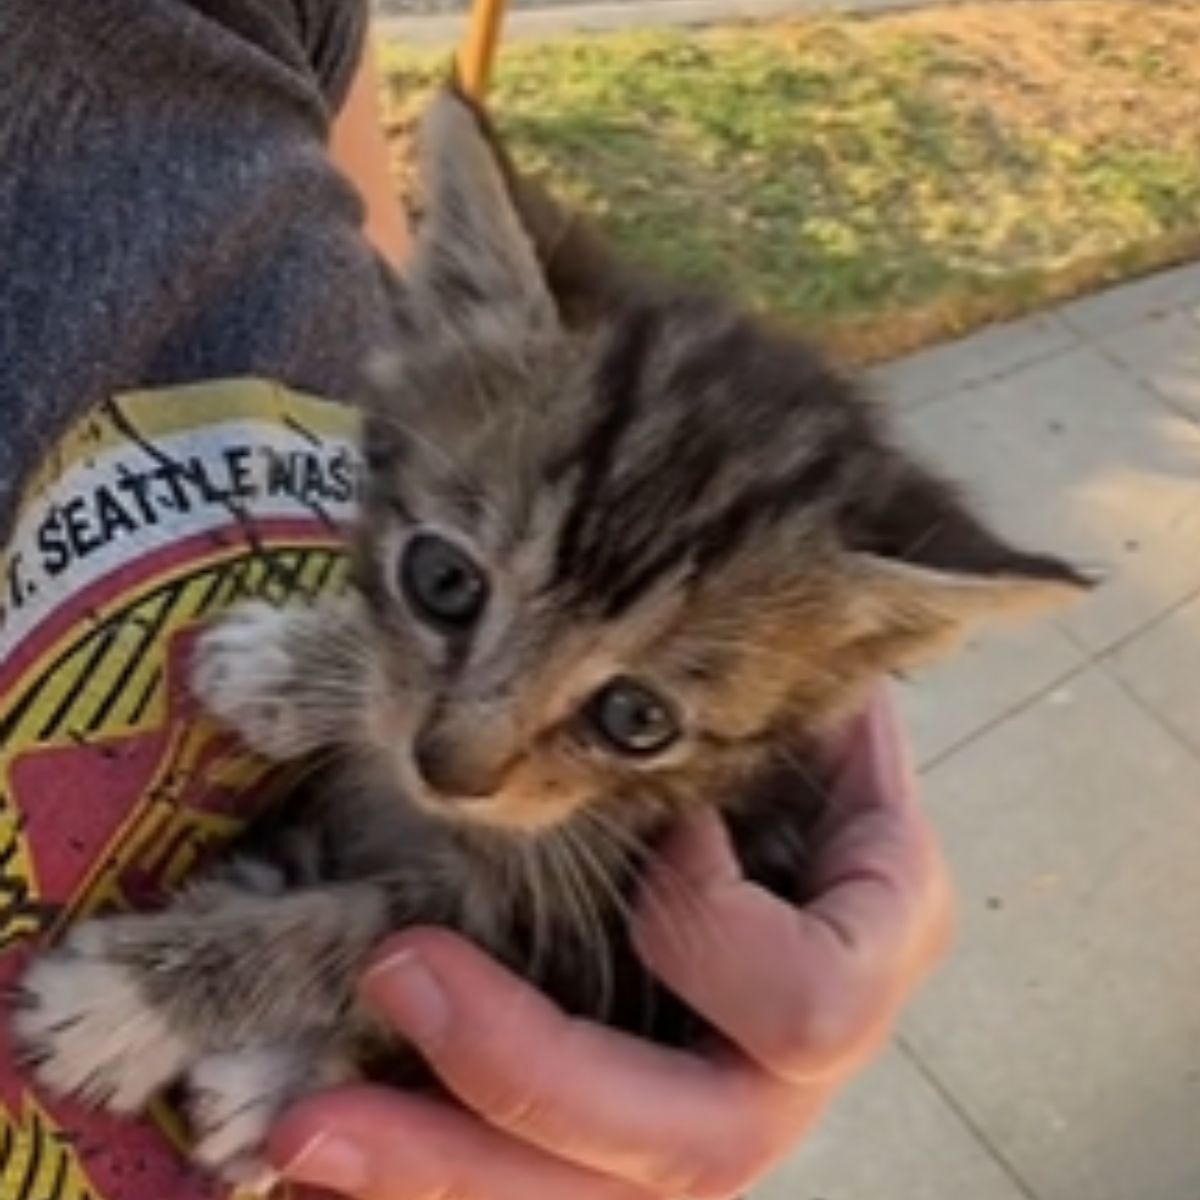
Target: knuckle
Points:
(932, 925)
(938, 885)
(827, 1043)
(813, 1042)
(941, 935)
(518, 1107)
(725, 1175)
(828, 1034)
(945, 920)
(723, 1167)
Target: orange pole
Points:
(478, 51)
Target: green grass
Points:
(879, 182)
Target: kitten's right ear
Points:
(912, 516)
(924, 571)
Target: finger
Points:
(673, 1123)
(373, 1144)
(876, 833)
(869, 763)
(807, 992)
(779, 982)
(881, 883)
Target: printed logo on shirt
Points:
(158, 511)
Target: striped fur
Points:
(657, 484)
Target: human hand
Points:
(556, 1107)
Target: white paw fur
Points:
(234, 1098)
(242, 674)
(88, 1032)
(232, 1101)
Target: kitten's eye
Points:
(442, 584)
(632, 719)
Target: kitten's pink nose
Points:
(451, 770)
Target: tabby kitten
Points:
(624, 552)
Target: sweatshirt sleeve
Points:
(333, 33)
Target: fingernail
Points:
(410, 995)
(329, 1162)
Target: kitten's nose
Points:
(451, 770)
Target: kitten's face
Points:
(614, 564)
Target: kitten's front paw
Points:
(86, 1029)
(234, 1098)
(243, 675)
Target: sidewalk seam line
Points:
(976, 1131)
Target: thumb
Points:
(374, 1144)
(613, 1104)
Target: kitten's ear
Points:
(473, 255)
(584, 275)
(924, 571)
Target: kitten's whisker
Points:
(602, 872)
(316, 762)
(533, 881)
(630, 846)
(798, 762)
(919, 543)
(599, 870)
(603, 943)
(665, 890)
(586, 922)
(665, 886)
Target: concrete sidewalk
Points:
(1057, 1055)
(441, 22)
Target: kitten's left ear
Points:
(582, 271)
(473, 255)
(924, 571)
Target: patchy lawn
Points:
(881, 181)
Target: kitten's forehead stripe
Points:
(765, 503)
(708, 430)
(617, 392)
(710, 365)
(714, 541)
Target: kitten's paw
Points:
(233, 1099)
(243, 675)
(86, 1029)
